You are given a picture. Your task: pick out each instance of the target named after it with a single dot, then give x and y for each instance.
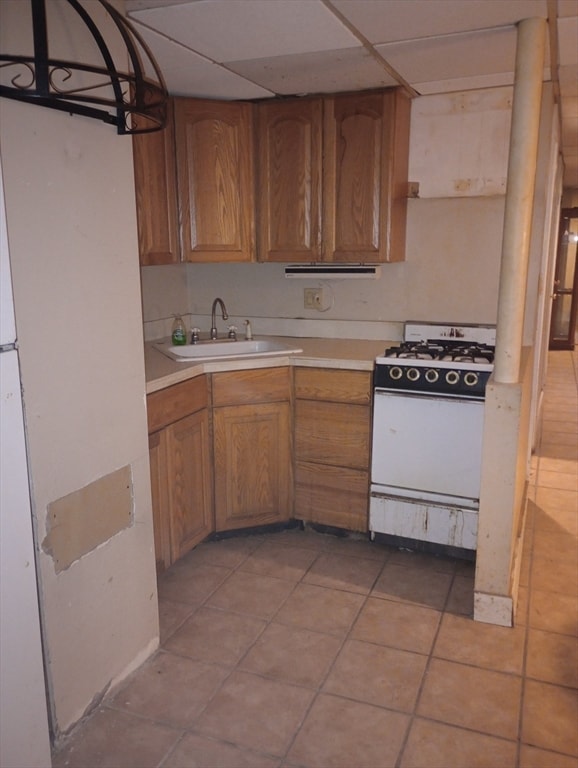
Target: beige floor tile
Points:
(550, 575)
(554, 612)
(552, 658)
(435, 745)
(377, 675)
(188, 583)
(216, 636)
(413, 585)
(561, 480)
(566, 466)
(110, 739)
(553, 426)
(195, 751)
(556, 545)
(480, 645)
(295, 537)
(358, 546)
(556, 437)
(252, 594)
(337, 571)
(170, 688)
(423, 560)
(291, 654)
(171, 616)
(461, 599)
(470, 697)
(549, 717)
(339, 733)
(228, 553)
(253, 712)
(282, 562)
(400, 625)
(533, 757)
(320, 609)
(555, 500)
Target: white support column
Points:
(519, 197)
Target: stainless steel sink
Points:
(222, 350)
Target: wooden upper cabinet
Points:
(156, 195)
(366, 147)
(214, 149)
(289, 153)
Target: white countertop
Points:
(347, 354)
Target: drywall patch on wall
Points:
(82, 520)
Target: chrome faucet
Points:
(224, 314)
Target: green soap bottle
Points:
(178, 334)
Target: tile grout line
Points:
(430, 657)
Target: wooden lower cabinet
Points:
(252, 465)
(332, 445)
(252, 448)
(159, 494)
(180, 466)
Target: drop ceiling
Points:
(254, 49)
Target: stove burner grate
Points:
(456, 351)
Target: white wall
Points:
(459, 155)
(72, 232)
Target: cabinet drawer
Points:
(333, 385)
(169, 405)
(331, 496)
(265, 385)
(332, 433)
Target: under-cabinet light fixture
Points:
(334, 271)
(133, 101)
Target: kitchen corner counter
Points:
(346, 354)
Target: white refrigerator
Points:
(24, 739)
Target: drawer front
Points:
(264, 385)
(331, 496)
(332, 433)
(333, 385)
(173, 403)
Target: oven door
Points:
(427, 448)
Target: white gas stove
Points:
(427, 436)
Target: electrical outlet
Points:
(312, 298)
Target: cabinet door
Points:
(289, 170)
(252, 465)
(366, 147)
(215, 173)
(159, 494)
(189, 482)
(156, 195)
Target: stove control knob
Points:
(452, 377)
(431, 375)
(471, 378)
(412, 374)
(395, 373)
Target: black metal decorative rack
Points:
(131, 101)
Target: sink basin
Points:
(222, 350)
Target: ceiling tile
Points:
(383, 21)
(449, 57)
(230, 30)
(326, 72)
(188, 74)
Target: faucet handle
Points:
(233, 332)
(195, 335)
